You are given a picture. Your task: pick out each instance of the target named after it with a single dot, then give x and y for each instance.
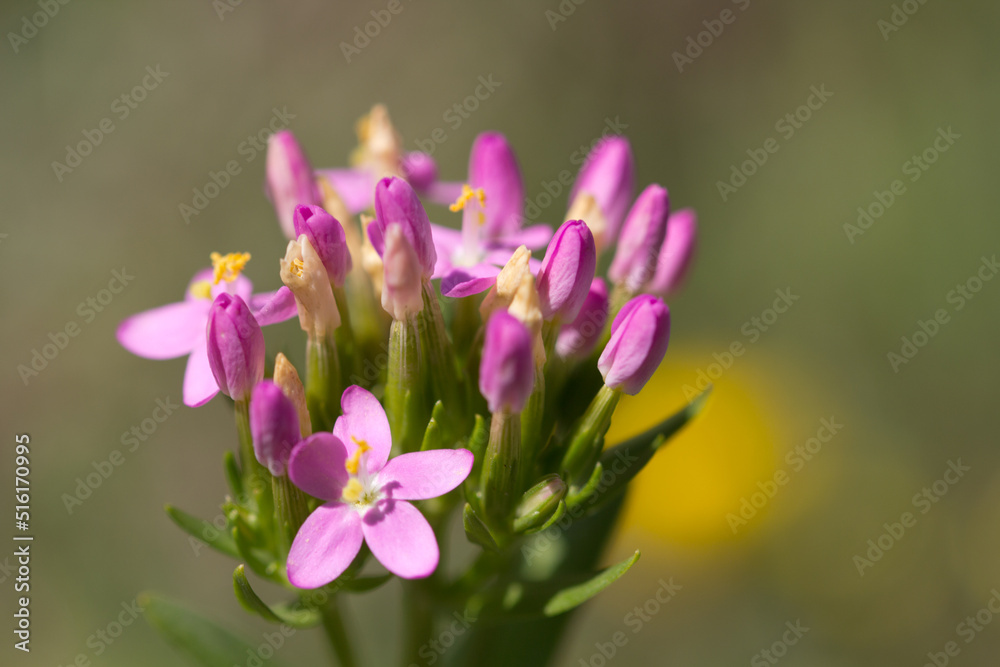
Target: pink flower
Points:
(367, 496)
(179, 329)
(639, 338)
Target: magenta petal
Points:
(165, 332)
(422, 475)
(356, 187)
(273, 307)
(444, 192)
(317, 466)
(465, 281)
(401, 539)
(199, 384)
(535, 237)
(325, 545)
(364, 419)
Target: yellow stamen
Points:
(297, 267)
(352, 492)
(201, 289)
(352, 463)
(228, 267)
(463, 199)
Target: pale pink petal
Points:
(421, 475)
(535, 237)
(165, 332)
(325, 545)
(356, 187)
(273, 307)
(199, 383)
(401, 539)
(364, 419)
(444, 192)
(317, 466)
(241, 287)
(468, 280)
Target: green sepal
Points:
(294, 615)
(233, 476)
(434, 434)
(558, 514)
(205, 642)
(478, 440)
(220, 540)
(476, 530)
(523, 600)
(248, 553)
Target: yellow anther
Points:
(298, 266)
(352, 492)
(228, 267)
(351, 464)
(201, 289)
(463, 199)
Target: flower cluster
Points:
(496, 371)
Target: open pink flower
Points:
(179, 329)
(367, 496)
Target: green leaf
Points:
(220, 540)
(200, 639)
(233, 475)
(292, 614)
(251, 555)
(476, 530)
(550, 598)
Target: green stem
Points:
(336, 632)
(419, 619)
(501, 471)
(406, 406)
(346, 345)
(290, 510)
(588, 436)
(254, 473)
(322, 382)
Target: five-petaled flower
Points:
(367, 496)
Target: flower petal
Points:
(364, 419)
(422, 475)
(356, 187)
(273, 307)
(199, 383)
(317, 466)
(401, 539)
(166, 332)
(444, 192)
(325, 545)
(535, 237)
(468, 280)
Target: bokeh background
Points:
(560, 84)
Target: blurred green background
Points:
(560, 82)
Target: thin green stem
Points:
(336, 632)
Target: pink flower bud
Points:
(567, 271)
(609, 176)
(639, 337)
(678, 250)
(420, 170)
(274, 424)
(493, 167)
(507, 369)
(290, 179)
(235, 347)
(641, 239)
(402, 295)
(577, 339)
(327, 237)
(396, 202)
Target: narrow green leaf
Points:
(233, 475)
(293, 615)
(220, 540)
(203, 641)
(477, 531)
(574, 596)
(251, 555)
(434, 435)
